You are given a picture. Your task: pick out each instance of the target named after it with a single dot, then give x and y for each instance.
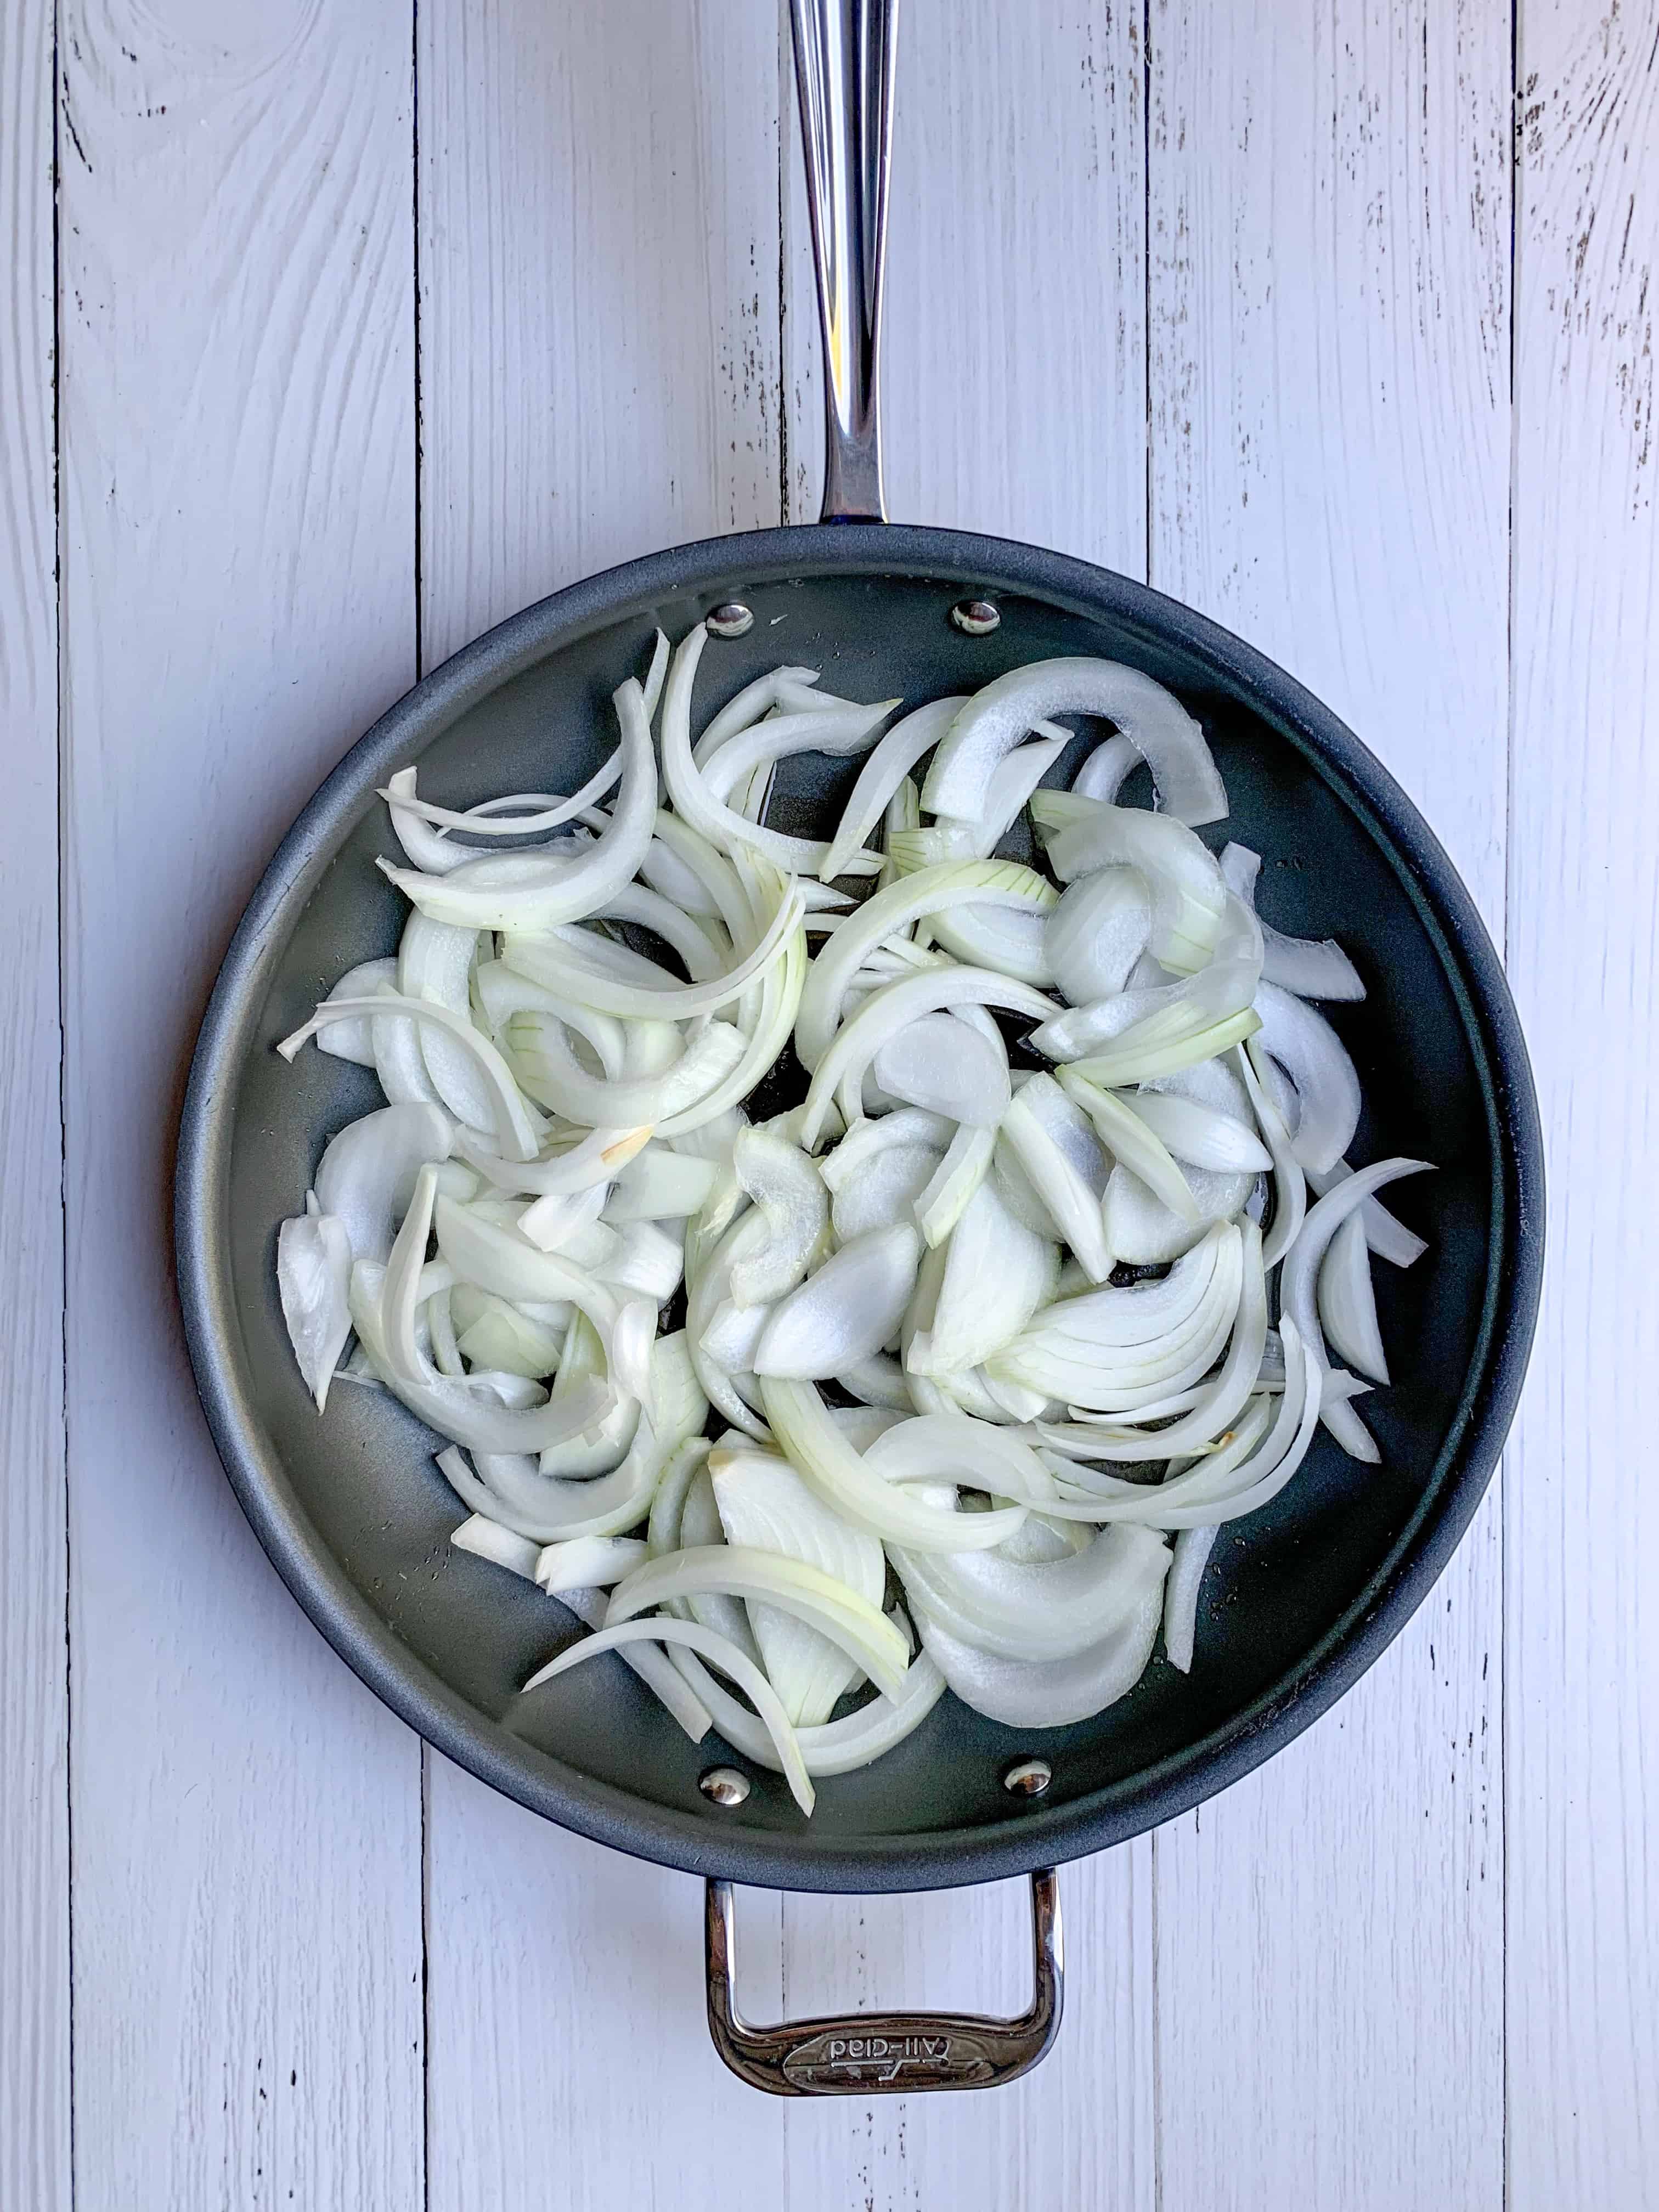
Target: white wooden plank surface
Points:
(35, 1978)
(603, 363)
(1583, 1672)
(1015, 306)
(238, 529)
(598, 228)
(1329, 204)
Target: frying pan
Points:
(1300, 1599)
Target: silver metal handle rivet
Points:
(1027, 1777)
(724, 1785)
(975, 617)
(731, 620)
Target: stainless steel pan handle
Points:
(896, 2053)
(844, 54)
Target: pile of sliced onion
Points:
(1057, 1256)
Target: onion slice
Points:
(515, 1131)
(314, 1281)
(1192, 1554)
(1297, 1283)
(719, 1652)
(1347, 1302)
(998, 716)
(534, 889)
(881, 776)
(822, 1455)
(1316, 1061)
(843, 1315)
(888, 1010)
(1310, 968)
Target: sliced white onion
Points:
(1192, 1554)
(755, 701)
(534, 889)
(833, 731)
(521, 814)
(1216, 1404)
(764, 1505)
(1298, 1282)
(790, 1220)
(1141, 1230)
(1133, 1144)
(1389, 1239)
(1183, 882)
(838, 1612)
(497, 1333)
(1156, 723)
(586, 1563)
(1051, 1694)
(1096, 933)
(1316, 1061)
(1050, 1609)
(996, 1274)
(981, 883)
(966, 1163)
(366, 1177)
(1347, 1302)
(515, 1131)
(822, 1456)
(1199, 1135)
(838, 1747)
(314, 1280)
(488, 1539)
(550, 1070)
(435, 961)
(598, 1155)
(1061, 1156)
(658, 1185)
(551, 966)
(946, 1067)
(1312, 970)
(719, 1652)
(472, 1412)
(889, 1009)
(1106, 770)
(353, 1038)
(844, 1313)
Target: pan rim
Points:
(1032, 1835)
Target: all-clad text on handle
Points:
(869, 2054)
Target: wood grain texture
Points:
(599, 291)
(598, 246)
(1014, 400)
(237, 528)
(1329, 196)
(1583, 1676)
(34, 1889)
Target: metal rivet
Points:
(724, 1785)
(1027, 1777)
(975, 617)
(732, 619)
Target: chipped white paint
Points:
(237, 533)
(1583, 1622)
(1329, 194)
(34, 1962)
(1297, 1995)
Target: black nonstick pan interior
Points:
(1299, 1598)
